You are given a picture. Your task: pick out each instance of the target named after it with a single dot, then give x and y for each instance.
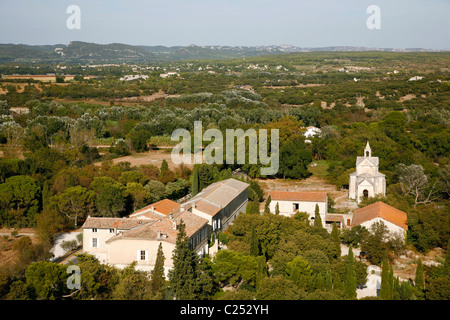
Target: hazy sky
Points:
(304, 23)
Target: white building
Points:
(131, 77)
(366, 181)
(310, 132)
(290, 202)
(169, 74)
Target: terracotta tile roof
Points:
(164, 228)
(164, 207)
(381, 210)
(298, 196)
(109, 223)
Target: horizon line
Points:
(231, 46)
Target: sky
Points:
(302, 23)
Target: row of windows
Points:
(96, 230)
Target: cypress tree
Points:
(195, 181)
(182, 276)
(396, 289)
(158, 278)
(277, 208)
(45, 194)
(419, 280)
(267, 204)
(336, 239)
(317, 219)
(385, 289)
(164, 167)
(261, 272)
(254, 243)
(328, 281)
(391, 283)
(350, 276)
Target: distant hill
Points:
(84, 52)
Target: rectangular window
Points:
(94, 229)
(296, 206)
(94, 243)
(143, 255)
(111, 230)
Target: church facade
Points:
(366, 181)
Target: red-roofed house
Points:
(395, 219)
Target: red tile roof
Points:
(164, 207)
(380, 210)
(298, 196)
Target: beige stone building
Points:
(366, 181)
(120, 241)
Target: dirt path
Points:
(154, 157)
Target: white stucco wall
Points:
(287, 208)
(393, 228)
(101, 235)
(122, 252)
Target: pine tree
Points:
(317, 219)
(336, 239)
(254, 243)
(182, 276)
(385, 289)
(158, 278)
(419, 280)
(350, 276)
(195, 181)
(267, 204)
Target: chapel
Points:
(366, 181)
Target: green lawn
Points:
(320, 170)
